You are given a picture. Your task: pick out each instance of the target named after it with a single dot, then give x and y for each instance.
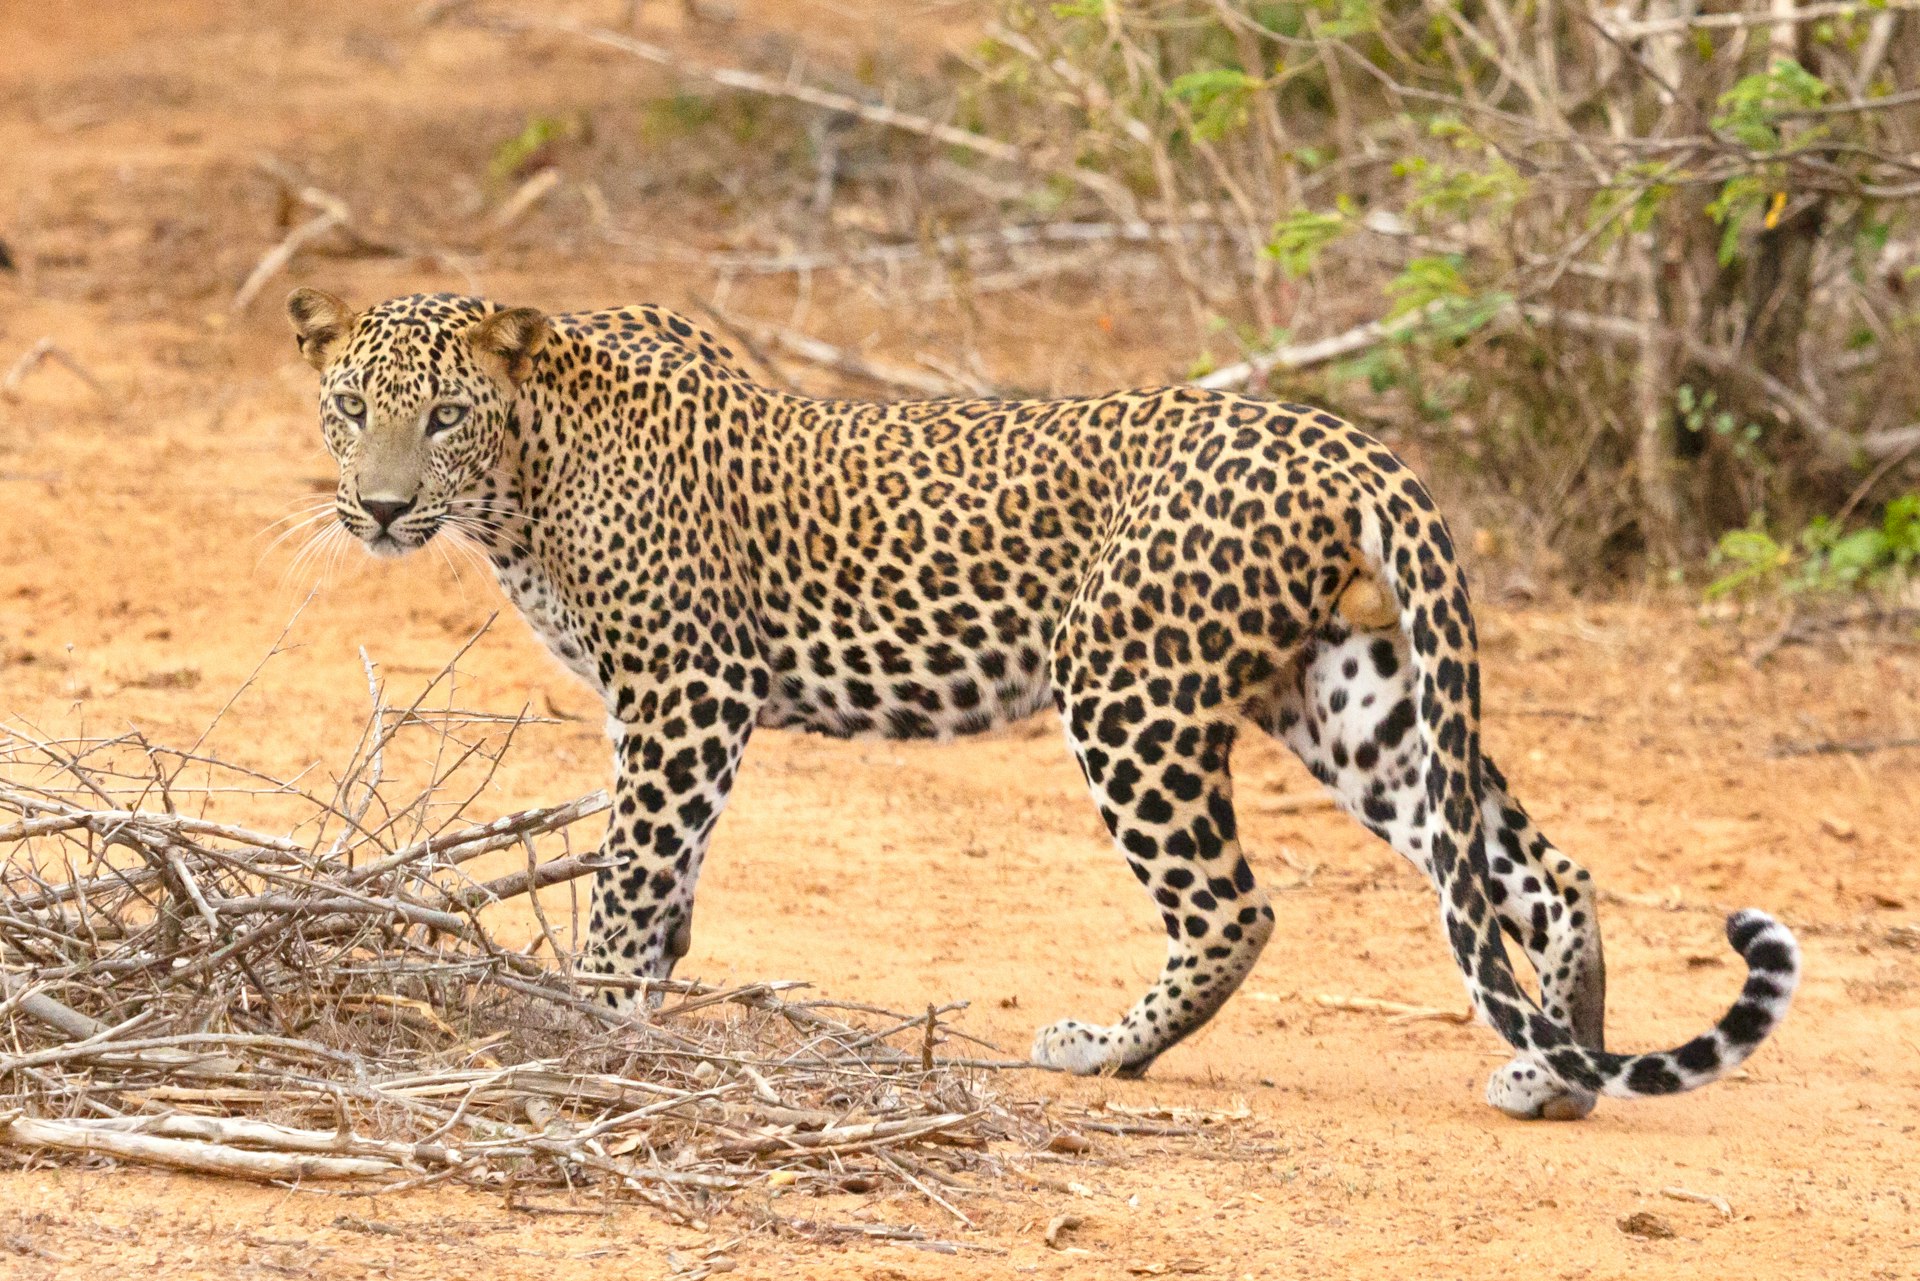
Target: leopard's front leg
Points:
(676, 753)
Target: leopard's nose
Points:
(385, 511)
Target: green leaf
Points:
(1220, 98)
(1455, 320)
(516, 151)
(1751, 111)
(1755, 556)
(1738, 204)
(1299, 238)
(1453, 191)
(1427, 279)
(1854, 555)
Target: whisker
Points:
(289, 532)
(476, 554)
(315, 505)
(474, 540)
(306, 554)
(446, 558)
(486, 531)
(340, 548)
(487, 507)
(297, 516)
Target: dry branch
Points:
(330, 214)
(1699, 1198)
(1843, 747)
(825, 355)
(194, 990)
(771, 86)
(95, 1139)
(48, 350)
(1399, 1011)
(1307, 355)
(1773, 17)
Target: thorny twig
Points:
(197, 991)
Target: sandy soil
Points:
(134, 589)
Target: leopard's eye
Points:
(446, 416)
(350, 405)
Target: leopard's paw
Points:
(1525, 1092)
(1080, 1048)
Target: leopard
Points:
(1168, 568)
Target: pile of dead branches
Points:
(325, 994)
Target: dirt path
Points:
(133, 588)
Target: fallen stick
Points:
(39, 1005)
(1139, 1128)
(955, 244)
(845, 1137)
(773, 87)
(274, 261)
(1114, 194)
(1699, 1198)
(1296, 803)
(247, 1133)
(106, 823)
(1401, 1012)
(1170, 1112)
(128, 1051)
(91, 1036)
(472, 842)
(189, 1154)
(1842, 747)
(827, 356)
(44, 350)
(331, 213)
(525, 197)
(538, 877)
(928, 1192)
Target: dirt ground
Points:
(136, 587)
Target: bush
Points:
(1656, 272)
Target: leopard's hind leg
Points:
(1154, 749)
(1350, 716)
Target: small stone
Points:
(1646, 1225)
(1838, 828)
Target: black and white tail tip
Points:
(1773, 972)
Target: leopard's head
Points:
(416, 395)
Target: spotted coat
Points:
(1166, 567)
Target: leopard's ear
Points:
(321, 323)
(513, 337)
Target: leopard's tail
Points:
(1407, 543)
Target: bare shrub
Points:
(328, 998)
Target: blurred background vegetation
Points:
(1635, 283)
(1643, 277)
(1657, 263)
